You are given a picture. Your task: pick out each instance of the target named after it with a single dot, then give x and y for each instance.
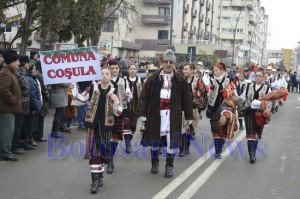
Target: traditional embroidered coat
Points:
(149, 107)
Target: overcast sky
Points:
(284, 23)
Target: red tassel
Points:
(200, 84)
(285, 97)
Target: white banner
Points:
(67, 66)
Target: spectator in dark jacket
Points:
(31, 121)
(38, 134)
(294, 82)
(17, 146)
(10, 103)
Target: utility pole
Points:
(171, 23)
(234, 31)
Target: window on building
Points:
(163, 34)
(108, 26)
(164, 11)
(8, 29)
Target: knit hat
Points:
(10, 56)
(123, 63)
(169, 56)
(23, 59)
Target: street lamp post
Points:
(258, 22)
(171, 22)
(264, 47)
(234, 31)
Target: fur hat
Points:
(23, 59)
(10, 56)
(200, 63)
(152, 69)
(169, 56)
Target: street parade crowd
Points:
(167, 107)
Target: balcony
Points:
(252, 17)
(207, 22)
(185, 27)
(186, 8)
(202, 2)
(192, 30)
(166, 2)
(201, 17)
(208, 7)
(156, 19)
(108, 13)
(153, 44)
(37, 36)
(131, 45)
(194, 14)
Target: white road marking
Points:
(165, 192)
(199, 182)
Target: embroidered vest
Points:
(214, 93)
(139, 85)
(93, 105)
(250, 92)
(121, 91)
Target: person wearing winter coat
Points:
(70, 110)
(38, 134)
(10, 103)
(59, 100)
(31, 120)
(17, 146)
(164, 97)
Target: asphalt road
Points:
(44, 174)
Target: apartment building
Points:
(296, 60)
(146, 28)
(275, 56)
(242, 28)
(154, 28)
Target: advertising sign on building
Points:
(59, 46)
(105, 46)
(13, 21)
(67, 66)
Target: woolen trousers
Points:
(7, 128)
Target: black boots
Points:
(128, 138)
(252, 146)
(110, 160)
(169, 166)
(241, 124)
(273, 110)
(185, 148)
(219, 142)
(110, 166)
(276, 109)
(154, 162)
(96, 182)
